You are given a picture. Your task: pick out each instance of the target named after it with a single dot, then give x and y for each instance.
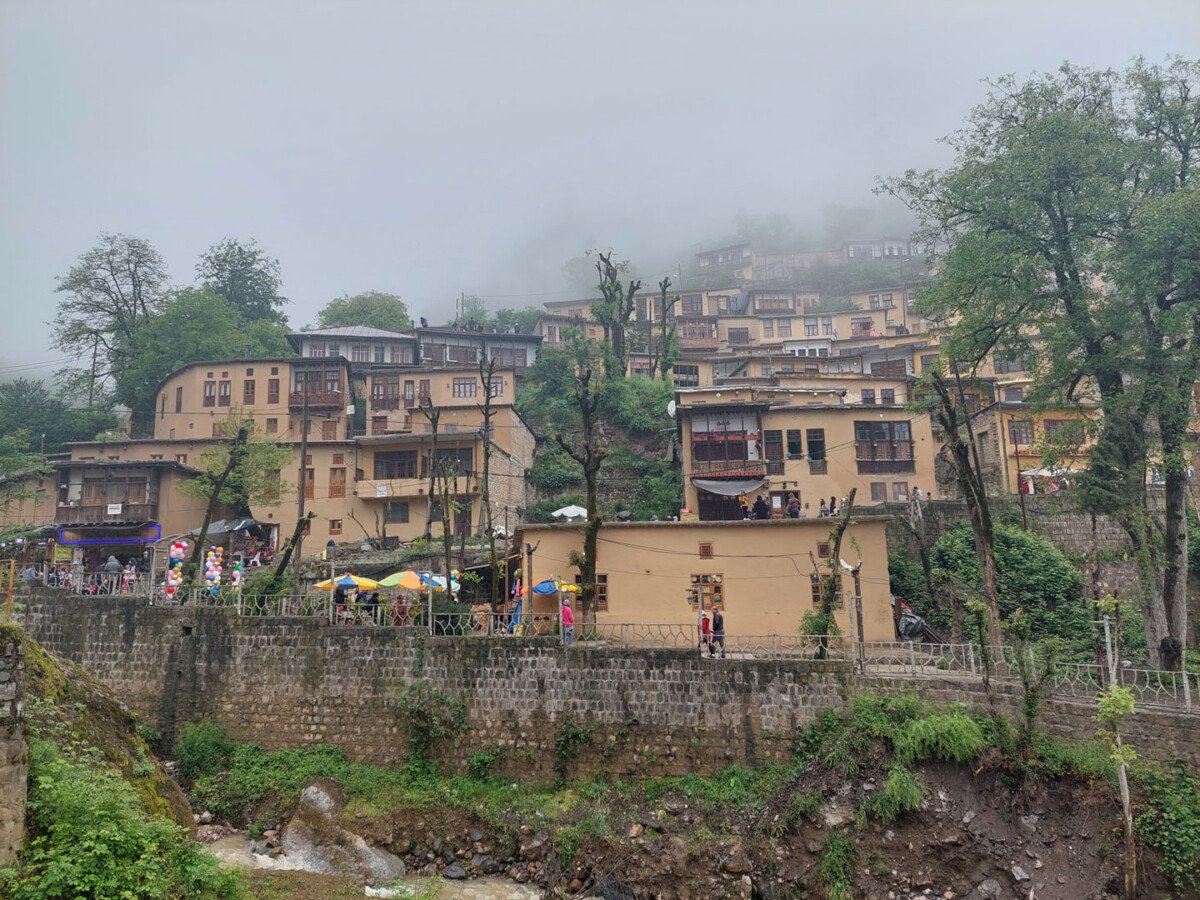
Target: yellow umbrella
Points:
(408, 581)
(348, 580)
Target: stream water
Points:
(237, 851)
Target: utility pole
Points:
(1020, 484)
(302, 486)
(92, 380)
(529, 550)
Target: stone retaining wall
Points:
(297, 682)
(14, 750)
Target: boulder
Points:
(315, 842)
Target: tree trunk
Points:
(829, 590)
(1174, 589)
(286, 557)
(433, 414)
(237, 453)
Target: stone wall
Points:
(297, 682)
(14, 750)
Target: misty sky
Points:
(428, 148)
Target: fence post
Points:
(1108, 652)
(971, 657)
(1187, 684)
(912, 657)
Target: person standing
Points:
(761, 510)
(824, 510)
(793, 506)
(568, 622)
(705, 635)
(718, 631)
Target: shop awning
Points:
(226, 526)
(729, 488)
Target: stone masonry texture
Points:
(14, 750)
(297, 682)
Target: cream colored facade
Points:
(760, 571)
(819, 441)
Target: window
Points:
(360, 352)
(272, 390)
(884, 447)
(339, 459)
(601, 593)
(310, 481)
(333, 381)
(391, 464)
(687, 376)
(395, 512)
(785, 328)
(890, 367)
(706, 550)
(739, 337)
(874, 301)
(768, 326)
(410, 394)
(795, 446)
(464, 387)
(329, 429)
(401, 354)
(379, 354)
(816, 444)
(495, 387)
(181, 458)
(868, 396)
(337, 482)
(456, 353)
(424, 392)
(1014, 395)
(1005, 364)
(248, 393)
(1020, 431)
(225, 393)
(709, 590)
(335, 526)
(773, 449)
(379, 424)
(272, 426)
(179, 399)
(824, 551)
(692, 305)
(900, 491)
(316, 348)
(1069, 427)
(878, 492)
(274, 370)
(210, 393)
(827, 325)
(810, 326)
(887, 396)
(862, 327)
(929, 361)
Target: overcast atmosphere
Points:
(429, 149)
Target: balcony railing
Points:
(818, 467)
(885, 458)
(317, 399)
(751, 468)
(99, 512)
(385, 402)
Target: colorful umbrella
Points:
(439, 582)
(349, 581)
(407, 580)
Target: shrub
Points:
(90, 837)
(835, 871)
(479, 765)
(901, 793)
(1171, 825)
(1031, 574)
(951, 736)
(429, 716)
(204, 749)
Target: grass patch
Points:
(901, 793)
(951, 736)
(835, 871)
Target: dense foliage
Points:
(49, 418)
(90, 837)
(373, 309)
(1032, 575)
(1170, 824)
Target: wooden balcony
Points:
(100, 512)
(317, 400)
(378, 403)
(390, 488)
(745, 468)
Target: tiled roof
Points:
(352, 331)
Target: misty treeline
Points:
(1072, 216)
(125, 327)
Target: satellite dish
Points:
(671, 409)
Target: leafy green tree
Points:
(525, 319)
(237, 475)
(473, 309)
(195, 324)
(110, 291)
(245, 276)
(373, 309)
(18, 465)
(49, 420)
(1031, 574)
(1072, 225)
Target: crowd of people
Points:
(114, 577)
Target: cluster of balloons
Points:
(235, 575)
(213, 567)
(175, 566)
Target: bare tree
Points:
(613, 311)
(433, 415)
